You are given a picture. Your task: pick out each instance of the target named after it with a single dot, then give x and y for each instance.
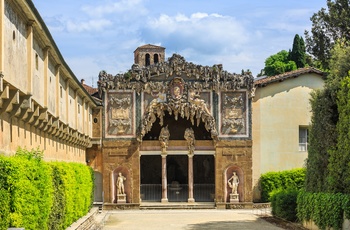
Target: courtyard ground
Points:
(193, 220)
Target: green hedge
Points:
(281, 180)
(284, 204)
(325, 209)
(42, 195)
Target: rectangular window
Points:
(303, 139)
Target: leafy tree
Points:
(328, 160)
(279, 63)
(339, 162)
(322, 137)
(327, 28)
(298, 54)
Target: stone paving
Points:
(185, 219)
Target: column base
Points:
(190, 200)
(164, 200)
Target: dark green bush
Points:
(281, 180)
(325, 209)
(284, 204)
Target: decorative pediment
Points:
(155, 77)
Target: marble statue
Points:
(233, 183)
(189, 137)
(120, 183)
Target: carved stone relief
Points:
(178, 104)
(233, 113)
(120, 114)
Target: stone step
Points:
(177, 205)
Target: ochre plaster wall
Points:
(278, 111)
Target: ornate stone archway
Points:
(181, 102)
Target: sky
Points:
(95, 35)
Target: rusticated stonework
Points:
(175, 128)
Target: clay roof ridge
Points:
(283, 76)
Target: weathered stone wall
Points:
(233, 156)
(121, 156)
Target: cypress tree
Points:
(298, 54)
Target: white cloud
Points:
(116, 7)
(90, 25)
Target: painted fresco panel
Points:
(234, 114)
(120, 112)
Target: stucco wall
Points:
(15, 48)
(278, 111)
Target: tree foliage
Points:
(328, 27)
(298, 54)
(326, 163)
(279, 63)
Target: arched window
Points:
(147, 60)
(155, 58)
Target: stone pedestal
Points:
(234, 198)
(121, 198)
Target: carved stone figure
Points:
(233, 183)
(164, 138)
(189, 137)
(120, 184)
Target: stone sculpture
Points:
(120, 184)
(233, 183)
(164, 138)
(189, 137)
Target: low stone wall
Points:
(312, 226)
(88, 222)
(126, 206)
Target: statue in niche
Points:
(194, 98)
(120, 184)
(164, 138)
(189, 137)
(233, 183)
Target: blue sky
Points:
(240, 34)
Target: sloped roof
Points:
(147, 46)
(292, 74)
(90, 89)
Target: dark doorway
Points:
(98, 187)
(151, 177)
(155, 58)
(147, 60)
(203, 178)
(177, 176)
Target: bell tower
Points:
(149, 54)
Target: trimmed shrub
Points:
(38, 195)
(284, 204)
(281, 180)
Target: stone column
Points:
(164, 180)
(111, 186)
(190, 178)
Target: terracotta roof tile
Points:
(90, 89)
(291, 74)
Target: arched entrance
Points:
(183, 184)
